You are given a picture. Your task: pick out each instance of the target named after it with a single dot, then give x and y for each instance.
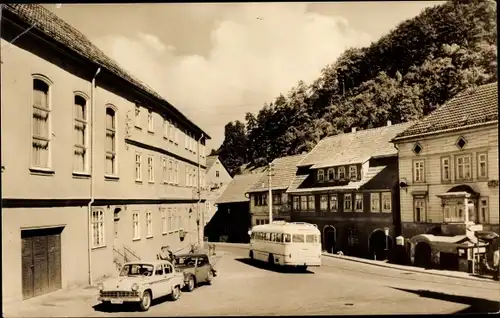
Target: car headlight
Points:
(100, 286)
(135, 287)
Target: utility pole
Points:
(270, 200)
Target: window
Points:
(151, 173)
(334, 205)
(358, 202)
(135, 226)
(163, 220)
(296, 203)
(159, 270)
(419, 209)
(418, 171)
(193, 175)
(347, 202)
(287, 238)
(277, 199)
(324, 202)
(298, 238)
(386, 202)
(482, 165)
(149, 224)
(151, 123)
(464, 167)
(164, 170)
(353, 172)
(331, 174)
(483, 211)
(341, 173)
(260, 199)
(110, 142)
(171, 132)
(187, 175)
(41, 125)
(303, 203)
(170, 171)
(216, 173)
(310, 203)
(176, 172)
(170, 225)
(321, 175)
(186, 140)
(80, 130)
(176, 134)
(375, 202)
(98, 228)
(137, 117)
(138, 167)
(203, 151)
(165, 128)
(445, 169)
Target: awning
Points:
(460, 191)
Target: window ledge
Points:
(81, 175)
(138, 181)
(166, 138)
(98, 247)
(111, 178)
(137, 127)
(42, 171)
(149, 236)
(151, 132)
(164, 233)
(151, 182)
(359, 211)
(136, 239)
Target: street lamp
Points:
(386, 232)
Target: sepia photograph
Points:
(190, 159)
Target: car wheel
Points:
(210, 277)
(145, 301)
(176, 293)
(191, 284)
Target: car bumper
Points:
(119, 300)
(311, 263)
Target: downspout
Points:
(92, 199)
(200, 219)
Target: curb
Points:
(406, 268)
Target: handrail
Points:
(127, 249)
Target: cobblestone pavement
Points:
(337, 287)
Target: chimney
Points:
(353, 129)
(389, 123)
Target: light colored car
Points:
(141, 282)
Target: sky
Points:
(217, 61)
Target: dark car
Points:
(197, 269)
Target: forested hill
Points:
(405, 75)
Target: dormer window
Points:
(341, 173)
(331, 174)
(353, 172)
(321, 175)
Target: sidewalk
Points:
(445, 273)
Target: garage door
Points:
(41, 261)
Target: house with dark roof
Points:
(348, 186)
(282, 174)
(217, 178)
(101, 175)
(231, 221)
(448, 171)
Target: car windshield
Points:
(137, 270)
(184, 260)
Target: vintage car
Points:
(196, 267)
(141, 282)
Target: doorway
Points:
(40, 261)
(380, 245)
(423, 252)
(329, 238)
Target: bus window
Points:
(267, 237)
(273, 235)
(311, 238)
(298, 238)
(287, 238)
(279, 238)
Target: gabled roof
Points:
(470, 108)
(283, 173)
(354, 147)
(211, 160)
(236, 189)
(65, 35)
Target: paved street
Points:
(338, 287)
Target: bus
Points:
(283, 243)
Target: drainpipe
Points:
(201, 219)
(92, 199)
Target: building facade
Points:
(348, 186)
(217, 178)
(283, 171)
(448, 168)
(232, 221)
(107, 172)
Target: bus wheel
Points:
(251, 255)
(270, 260)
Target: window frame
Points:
(151, 121)
(114, 153)
(457, 166)
(165, 128)
(86, 138)
(313, 202)
(330, 197)
(136, 226)
(138, 166)
(378, 196)
(357, 200)
(164, 221)
(443, 165)
(353, 170)
(137, 117)
(151, 168)
(33, 167)
(323, 202)
(98, 227)
(479, 176)
(424, 213)
(414, 170)
(347, 195)
(339, 171)
(296, 203)
(303, 202)
(321, 175)
(480, 206)
(149, 224)
(332, 170)
(382, 195)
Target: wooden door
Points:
(27, 267)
